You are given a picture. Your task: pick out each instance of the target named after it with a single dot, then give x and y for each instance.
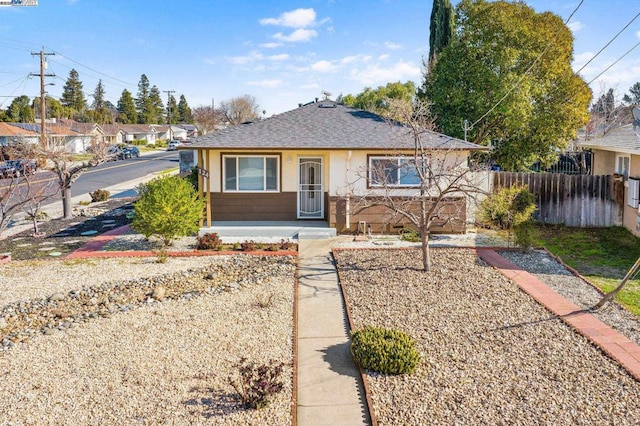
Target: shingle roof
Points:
(622, 139)
(325, 125)
(10, 129)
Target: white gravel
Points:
(162, 363)
(491, 354)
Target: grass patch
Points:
(602, 255)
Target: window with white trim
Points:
(251, 173)
(622, 165)
(394, 171)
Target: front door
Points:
(310, 193)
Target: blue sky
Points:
(281, 52)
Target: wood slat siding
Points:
(254, 206)
(379, 218)
(583, 201)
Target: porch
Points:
(294, 229)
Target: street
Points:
(101, 176)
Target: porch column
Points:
(200, 164)
(207, 166)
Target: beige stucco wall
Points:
(631, 216)
(604, 162)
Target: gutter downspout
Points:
(347, 209)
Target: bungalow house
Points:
(58, 135)
(312, 162)
(10, 134)
(138, 132)
(166, 132)
(192, 130)
(618, 152)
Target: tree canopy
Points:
(508, 73)
(633, 97)
(127, 109)
(241, 109)
(377, 100)
(442, 28)
(72, 95)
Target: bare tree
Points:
(428, 188)
(61, 162)
(22, 190)
(241, 109)
(208, 118)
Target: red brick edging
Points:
(624, 351)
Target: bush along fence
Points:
(573, 200)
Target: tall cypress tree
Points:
(442, 28)
(184, 111)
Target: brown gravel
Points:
(491, 354)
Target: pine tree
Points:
(100, 113)
(173, 116)
(184, 111)
(142, 99)
(155, 107)
(634, 98)
(72, 96)
(127, 113)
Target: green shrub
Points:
(193, 177)
(257, 382)
(411, 235)
(168, 208)
(161, 143)
(385, 351)
(99, 195)
(508, 207)
(525, 235)
(209, 241)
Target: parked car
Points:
(114, 153)
(173, 145)
(130, 151)
(17, 168)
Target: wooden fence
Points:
(573, 200)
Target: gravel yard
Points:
(142, 358)
(491, 354)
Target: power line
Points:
(615, 62)
(608, 43)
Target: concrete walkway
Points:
(330, 391)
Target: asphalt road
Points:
(114, 172)
(100, 177)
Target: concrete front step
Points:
(300, 230)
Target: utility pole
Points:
(43, 108)
(169, 92)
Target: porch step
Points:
(256, 230)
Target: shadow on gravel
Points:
(536, 322)
(218, 404)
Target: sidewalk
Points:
(330, 390)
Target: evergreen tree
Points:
(126, 108)
(72, 96)
(100, 113)
(605, 106)
(184, 111)
(173, 116)
(142, 99)
(156, 107)
(442, 28)
(634, 98)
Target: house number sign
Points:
(203, 172)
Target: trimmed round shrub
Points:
(384, 350)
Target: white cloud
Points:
(270, 45)
(580, 59)
(392, 46)
(324, 67)
(242, 60)
(638, 34)
(267, 84)
(349, 59)
(309, 86)
(383, 57)
(379, 74)
(280, 57)
(575, 26)
(299, 18)
(299, 35)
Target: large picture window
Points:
(251, 173)
(393, 171)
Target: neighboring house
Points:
(59, 136)
(308, 163)
(11, 134)
(138, 132)
(86, 135)
(618, 152)
(167, 132)
(191, 129)
(111, 134)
